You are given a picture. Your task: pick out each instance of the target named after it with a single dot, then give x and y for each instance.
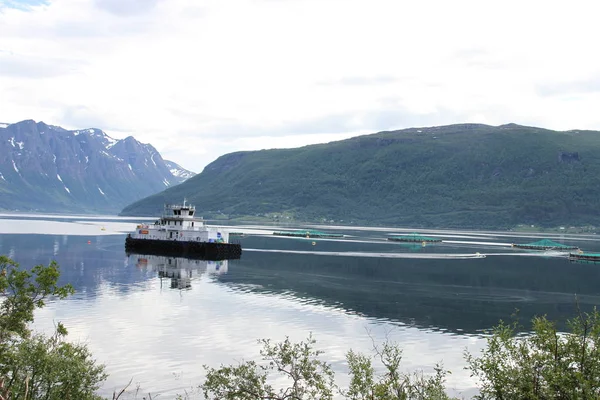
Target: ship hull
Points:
(204, 250)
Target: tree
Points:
(34, 366)
(298, 363)
(22, 292)
(544, 364)
(393, 383)
(310, 378)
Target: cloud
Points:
(126, 7)
(580, 86)
(479, 58)
(78, 116)
(361, 80)
(24, 5)
(202, 79)
(26, 66)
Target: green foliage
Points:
(465, 175)
(41, 367)
(310, 378)
(298, 363)
(34, 366)
(544, 364)
(23, 291)
(393, 384)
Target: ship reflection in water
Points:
(179, 270)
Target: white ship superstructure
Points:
(179, 223)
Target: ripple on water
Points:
(161, 338)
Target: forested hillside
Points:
(466, 175)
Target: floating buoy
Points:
(89, 242)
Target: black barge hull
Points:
(203, 250)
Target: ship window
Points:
(191, 213)
(192, 224)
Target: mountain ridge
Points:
(462, 175)
(51, 169)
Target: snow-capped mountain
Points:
(178, 170)
(51, 169)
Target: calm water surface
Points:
(158, 320)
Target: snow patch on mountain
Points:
(177, 171)
(111, 141)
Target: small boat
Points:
(180, 233)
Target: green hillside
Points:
(466, 175)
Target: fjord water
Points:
(158, 320)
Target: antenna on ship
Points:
(184, 199)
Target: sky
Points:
(201, 78)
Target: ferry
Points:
(179, 232)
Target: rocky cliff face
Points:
(50, 169)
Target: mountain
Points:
(50, 169)
(178, 171)
(466, 175)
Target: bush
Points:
(544, 364)
(310, 378)
(35, 366)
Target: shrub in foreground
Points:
(36, 366)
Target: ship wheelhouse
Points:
(180, 217)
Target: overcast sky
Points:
(198, 79)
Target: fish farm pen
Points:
(414, 238)
(308, 234)
(589, 257)
(545, 244)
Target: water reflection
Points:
(89, 263)
(460, 296)
(180, 270)
(121, 311)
